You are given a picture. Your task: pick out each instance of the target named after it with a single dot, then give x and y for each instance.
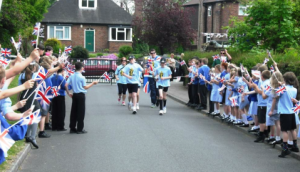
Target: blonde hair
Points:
(275, 79)
(182, 55)
(46, 62)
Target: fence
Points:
(95, 68)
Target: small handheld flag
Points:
(222, 80)
(296, 109)
(68, 49)
(215, 57)
(182, 63)
(33, 118)
(36, 29)
(33, 42)
(280, 90)
(272, 68)
(6, 141)
(222, 88)
(256, 73)
(240, 89)
(267, 88)
(266, 61)
(233, 101)
(4, 62)
(5, 52)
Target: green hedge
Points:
(289, 61)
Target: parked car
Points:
(96, 67)
(214, 45)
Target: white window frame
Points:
(209, 11)
(117, 30)
(70, 31)
(244, 8)
(81, 7)
(94, 38)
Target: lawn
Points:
(19, 145)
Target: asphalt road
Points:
(179, 141)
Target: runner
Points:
(131, 72)
(163, 75)
(121, 81)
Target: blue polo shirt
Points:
(59, 81)
(5, 104)
(134, 71)
(260, 100)
(204, 70)
(119, 71)
(77, 81)
(285, 103)
(163, 72)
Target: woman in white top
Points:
(172, 64)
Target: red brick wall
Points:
(114, 46)
(101, 38)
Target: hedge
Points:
(289, 61)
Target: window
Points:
(59, 32)
(120, 34)
(88, 4)
(209, 11)
(243, 10)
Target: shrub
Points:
(55, 44)
(92, 55)
(100, 54)
(124, 51)
(106, 50)
(140, 48)
(80, 53)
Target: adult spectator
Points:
(172, 63)
(224, 57)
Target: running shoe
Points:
(152, 105)
(119, 100)
(123, 103)
(161, 112)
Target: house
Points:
(215, 14)
(93, 24)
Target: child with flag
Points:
(287, 115)
(78, 83)
(163, 75)
(190, 77)
(121, 81)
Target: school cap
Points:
(131, 57)
(163, 60)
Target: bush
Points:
(100, 54)
(92, 55)
(55, 44)
(124, 51)
(106, 50)
(79, 52)
(140, 48)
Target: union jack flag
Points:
(33, 42)
(182, 63)
(4, 62)
(256, 73)
(33, 118)
(242, 68)
(5, 52)
(267, 88)
(212, 75)
(215, 57)
(233, 101)
(68, 49)
(296, 109)
(201, 76)
(146, 88)
(36, 29)
(44, 95)
(240, 89)
(222, 80)
(42, 75)
(106, 76)
(272, 68)
(280, 90)
(55, 91)
(223, 59)
(266, 61)
(6, 141)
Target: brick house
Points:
(93, 24)
(215, 15)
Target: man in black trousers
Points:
(77, 81)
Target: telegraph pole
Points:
(200, 25)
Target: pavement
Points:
(180, 141)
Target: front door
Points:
(89, 40)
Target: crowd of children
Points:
(267, 97)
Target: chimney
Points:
(138, 8)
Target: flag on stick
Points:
(33, 118)
(296, 109)
(6, 141)
(5, 52)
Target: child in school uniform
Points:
(226, 76)
(233, 82)
(287, 115)
(227, 109)
(163, 75)
(273, 117)
(262, 103)
(195, 84)
(190, 76)
(78, 83)
(215, 95)
(253, 101)
(209, 89)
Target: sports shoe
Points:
(134, 112)
(152, 105)
(284, 153)
(165, 110)
(161, 112)
(294, 149)
(137, 106)
(43, 134)
(123, 103)
(119, 100)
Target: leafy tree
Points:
(164, 23)
(271, 24)
(18, 15)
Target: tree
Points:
(128, 5)
(165, 24)
(18, 15)
(271, 24)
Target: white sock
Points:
(290, 142)
(278, 138)
(215, 107)
(217, 111)
(272, 137)
(244, 116)
(234, 118)
(225, 115)
(133, 108)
